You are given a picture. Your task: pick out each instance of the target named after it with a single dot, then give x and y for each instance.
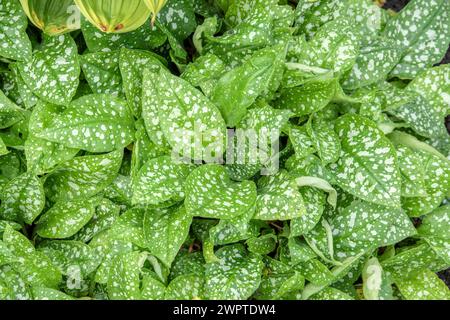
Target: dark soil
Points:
(397, 5)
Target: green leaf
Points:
(35, 267)
(309, 98)
(426, 113)
(179, 17)
(368, 165)
(187, 263)
(102, 72)
(315, 205)
(165, 232)
(53, 72)
(65, 219)
(315, 272)
(23, 198)
(422, 31)
(186, 287)
(319, 183)
(373, 64)
(42, 155)
(132, 64)
(204, 72)
(69, 256)
(424, 285)
(437, 186)
(262, 245)
(412, 259)
(95, 123)
(324, 140)
(124, 279)
(190, 123)
(152, 289)
(106, 214)
(413, 172)
(435, 229)
(10, 113)
(83, 177)
(239, 88)
(211, 194)
(235, 277)
(160, 181)
(363, 226)
(278, 198)
(13, 23)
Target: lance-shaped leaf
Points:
(68, 255)
(43, 155)
(101, 70)
(437, 185)
(278, 281)
(262, 245)
(95, 123)
(422, 31)
(278, 198)
(83, 176)
(187, 263)
(211, 194)
(124, 279)
(13, 285)
(160, 180)
(315, 272)
(324, 140)
(368, 165)
(373, 64)
(34, 266)
(235, 277)
(363, 226)
(10, 113)
(314, 204)
(152, 289)
(190, 123)
(319, 184)
(238, 44)
(413, 259)
(65, 219)
(234, 230)
(334, 47)
(132, 64)
(435, 229)
(309, 98)
(29, 99)
(204, 72)
(179, 18)
(238, 89)
(54, 70)
(165, 231)
(13, 23)
(424, 285)
(23, 198)
(186, 287)
(104, 217)
(412, 170)
(426, 113)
